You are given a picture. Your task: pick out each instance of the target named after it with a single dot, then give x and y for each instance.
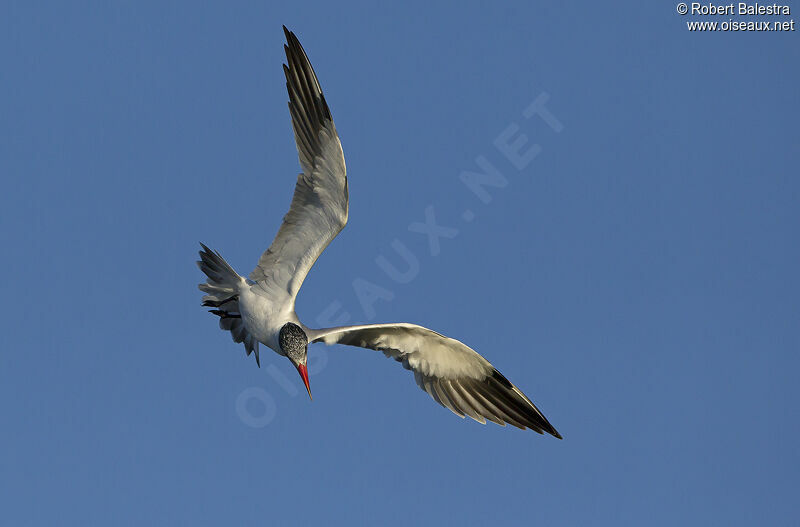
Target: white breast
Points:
(264, 317)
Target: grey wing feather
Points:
(452, 373)
(320, 204)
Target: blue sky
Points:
(637, 277)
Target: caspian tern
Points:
(261, 309)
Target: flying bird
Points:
(260, 309)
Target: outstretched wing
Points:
(452, 373)
(319, 206)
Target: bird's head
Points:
(294, 343)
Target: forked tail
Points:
(222, 288)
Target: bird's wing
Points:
(452, 373)
(319, 206)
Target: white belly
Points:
(264, 318)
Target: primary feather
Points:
(319, 207)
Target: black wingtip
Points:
(258, 361)
(550, 429)
(289, 35)
(553, 432)
(542, 424)
(501, 379)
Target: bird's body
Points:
(260, 309)
(264, 317)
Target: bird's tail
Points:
(222, 294)
(223, 282)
